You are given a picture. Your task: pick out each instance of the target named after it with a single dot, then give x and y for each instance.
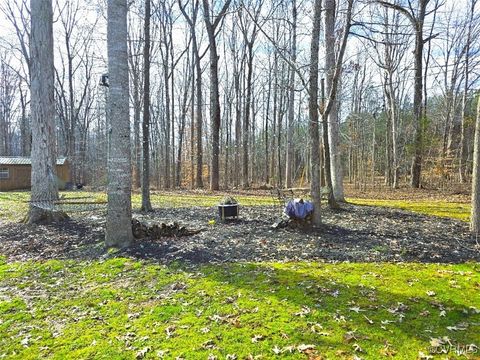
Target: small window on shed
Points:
(4, 173)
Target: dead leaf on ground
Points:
(141, 353)
(257, 338)
(357, 348)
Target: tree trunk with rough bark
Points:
(246, 118)
(215, 120)
(463, 145)
(332, 203)
(119, 209)
(291, 101)
(335, 164)
(146, 204)
(136, 130)
(313, 116)
(475, 212)
(43, 156)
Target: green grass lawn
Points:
(446, 209)
(127, 309)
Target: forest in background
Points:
(378, 126)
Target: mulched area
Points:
(356, 234)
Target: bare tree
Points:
(146, 205)
(472, 25)
(188, 69)
(135, 36)
(9, 82)
(211, 24)
(192, 20)
(334, 165)
(313, 114)
(417, 19)
(475, 212)
(390, 44)
(18, 14)
(249, 37)
(73, 80)
(119, 211)
(333, 69)
(291, 99)
(44, 182)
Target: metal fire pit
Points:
(228, 211)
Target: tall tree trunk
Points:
(475, 212)
(246, 117)
(417, 110)
(291, 101)
(199, 123)
(238, 125)
(119, 210)
(333, 131)
(273, 175)
(168, 123)
(463, 145)
(44, 180)
(267, 115)
(332, 203)
(215, 120)
(172, 85)
(24, 128)
(136, 129)
(183, 116)
(146, 204)
(196, 87)
(192, 125)
(416, 19)
(313, 115)
(394, 132)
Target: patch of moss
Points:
(123, 308)
(446, 209)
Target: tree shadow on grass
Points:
(368, 304)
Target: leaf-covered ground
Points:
(124, 308)
(13, 205)
(357, 233)
(241, 290)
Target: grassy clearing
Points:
(446, 209)
(126, 309)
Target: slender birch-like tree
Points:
(313, 114)
(146, 205)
